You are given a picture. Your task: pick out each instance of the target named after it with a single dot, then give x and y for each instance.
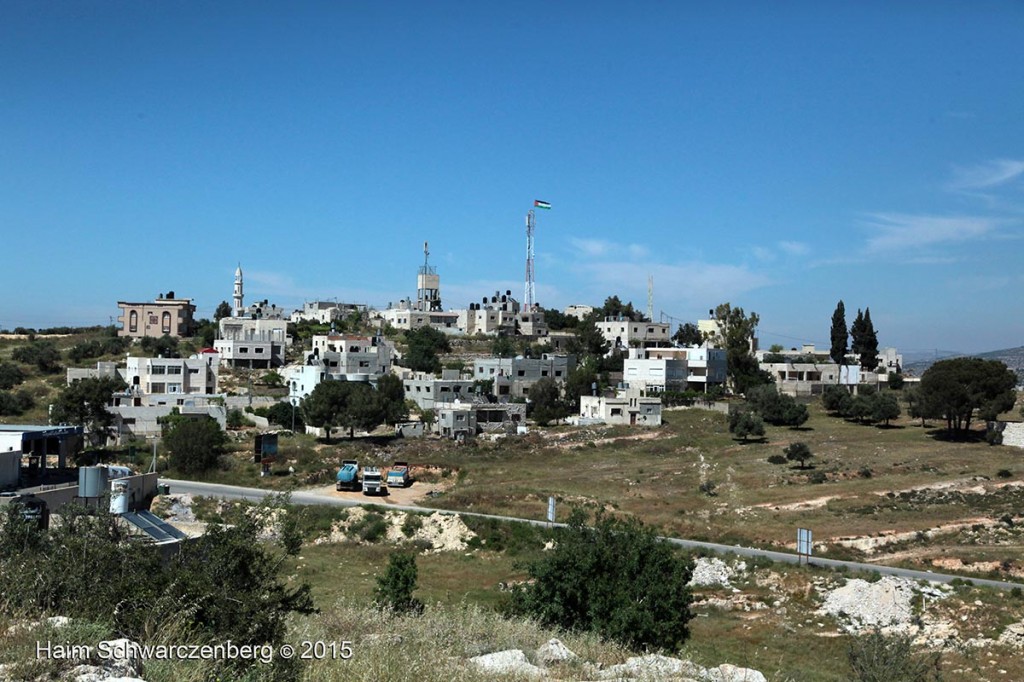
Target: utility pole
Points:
(531, 225)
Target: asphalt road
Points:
(231, 492)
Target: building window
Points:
(243, 349)
(174, 369)
(258, 350)
(165, 324)
(158, 369)
(133, 321)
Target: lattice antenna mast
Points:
(650, 297)
(531, 225)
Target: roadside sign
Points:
(804, 543)
(551, 509)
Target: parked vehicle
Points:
(373, 482)
(348, 476)
(398, 475)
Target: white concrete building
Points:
(194, 375)
(325, 312)
(252, 341)
(578, 311)
(621, 332)
(428, 390)
(675, 369)
(629, 406)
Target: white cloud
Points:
(902, 231)
(986, 175)
(794, 248)
(591, 248)
(765, 255)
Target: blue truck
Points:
(348, 476)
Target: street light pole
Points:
(293, 414)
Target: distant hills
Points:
(1012, 357)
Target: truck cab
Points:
(373, 482)
(348, 476)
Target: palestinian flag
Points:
(537, 203)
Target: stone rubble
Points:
(713, 571)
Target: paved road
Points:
(231, 492)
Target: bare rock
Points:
(510, 662)
(553, 651)
(653, 667)
(1013, 635)
(731, 673)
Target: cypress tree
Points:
(869, 343)
(839, 336)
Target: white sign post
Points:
(551, 509)
(804, 544)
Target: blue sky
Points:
(779, 156)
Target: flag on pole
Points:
(537, 203)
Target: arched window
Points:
(166, 322)
(133, 321)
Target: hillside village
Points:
(172, 397)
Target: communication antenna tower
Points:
(531, 224)
(650, 297)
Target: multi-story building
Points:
(165, 316)
(621, 332)
(325, 312)
(807, 370)
(196, 375)
(630, 405)
(578, 311)
(513, 377)
(352, 354)
(427, 390)
(252, 342)
(675, 369)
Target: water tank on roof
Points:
(508, 292)
(494, 299)
(170, 295)
(119, 497)
(92, 481)
(504, 299)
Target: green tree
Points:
(776, 408)
(391, 393)
(428, 417)
(504, 347)
(895, 381)
(954, 389)
(10, 376)
(799, 453)
(865, 340)
(616, 579)
(281, 414)
(84, 403)
(165, 346)
(743, 424)
(736, 333)
(194, 444)
(839, 336)
(589, 341)
(884, 407)
(546, 402)
(425, 344)
(223, 310)
(395, 586)
(43, 354)
(579, 382)
(688, 335)
(836, 399)
(14, 403)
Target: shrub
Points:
(777, 459)
(615, 579)
(708, 488)
(818, 477)
(396, 585)
(1004, 473)
(877, 658)
(372, 528)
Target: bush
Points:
(396, 585)
(877, 658)
(194, 444)
(1004, 473)
(10, 376)
(777, 459)
(615, 579)
(372, 527)
(237, 419)
(818, 477)
(994, 436)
